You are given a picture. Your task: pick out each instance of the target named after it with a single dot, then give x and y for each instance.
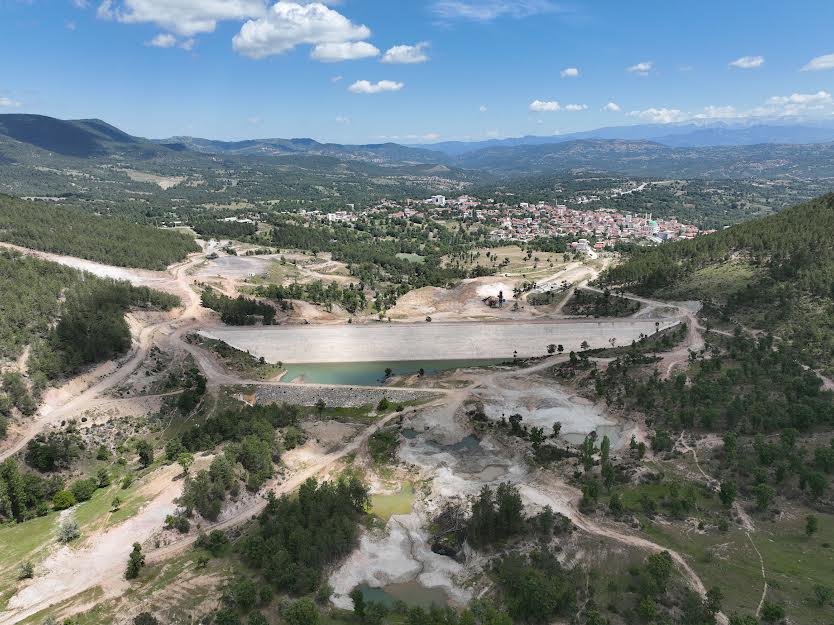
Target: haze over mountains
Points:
(682, 150)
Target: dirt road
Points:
(101, 560)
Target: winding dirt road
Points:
(101, 558)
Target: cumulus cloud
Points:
(343, 119)
(167, 40)
(483, 108)
(576, 107)
(162, 40)
(488, 10)
(288, 24)
(9, 103)
(661, 115)
(539, 106)
(748, 62)
(826, 61)
(569, 72)
(184, 17)
(796, 103)
(365, 86)
(344, 51)
(719, 112)
(407, 54)
(611, 107)
(641, 69)
(793, 105)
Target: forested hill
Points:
(775, 273)
(110, 240)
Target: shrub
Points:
(63, 499)
(84, 489)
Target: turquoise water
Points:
(467, 444)
(373, 373)
(411, 593)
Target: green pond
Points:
(373, 373)
(386, 506)
(411, 593)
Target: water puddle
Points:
(412, 593)
(386, 506)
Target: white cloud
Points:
(539, 106)
(804, 99)
(641, 69)
(80, 4)
(344, 51)
(483, 108)
(9, 103)
(487, 10)
(255, 120)
(661, 115)
(365, 86)
(407, 54)
(796, 104)
(719, 112)
(105, 10)
(611, 107)
(343, 119)
(826, 61)
(167, 40)
(288, 24)
(576, 107)
(429, 136)
(569, 72)
(337, 79)
(748, 62)
(185, 17)
(162, 40)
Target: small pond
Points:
(411, 593)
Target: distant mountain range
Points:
(717, 150)
(672, 135)
(284, 147)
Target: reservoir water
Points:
(373, 373)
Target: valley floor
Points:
(441, 456)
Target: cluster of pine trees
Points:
(110, 240)
(351, 298)
(241, 311)
(297, 537)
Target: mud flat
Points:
(239, 267)
(542, 403)
(396, 558)
(428, 341)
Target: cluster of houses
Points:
(591, 229)
(525, 221)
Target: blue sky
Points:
(413, 71)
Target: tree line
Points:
(112, 240)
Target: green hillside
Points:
(110, 240)
(775, 274)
